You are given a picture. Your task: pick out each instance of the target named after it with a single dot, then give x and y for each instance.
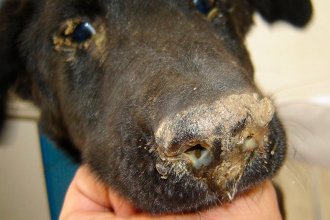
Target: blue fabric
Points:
(59, 171)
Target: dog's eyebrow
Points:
(88, 7)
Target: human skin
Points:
(87, 198)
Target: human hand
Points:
(89, 199)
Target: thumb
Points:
(88, 198)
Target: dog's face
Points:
(156, 96)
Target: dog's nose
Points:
(199, 134)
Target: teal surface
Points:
(59, 171)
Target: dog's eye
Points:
(83, 32)
(76, 33)
(204, 6)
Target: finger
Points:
(260, 203)
(89, 216)
(89, 196)
(120, 206)
(85, 195)
(257, 204)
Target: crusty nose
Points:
(200, 133)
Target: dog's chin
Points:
(186, 193)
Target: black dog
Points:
(157, 97)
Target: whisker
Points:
(283, 104)
(292, 87)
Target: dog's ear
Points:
(296, 12)
(14, 15)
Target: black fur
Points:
(105, 100)
(297, 12)
(13, 17)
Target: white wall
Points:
(22, 183)
(293, 67)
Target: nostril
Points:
(196, 151)
(199, 156)
(250, 143)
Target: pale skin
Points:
(88, 199)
